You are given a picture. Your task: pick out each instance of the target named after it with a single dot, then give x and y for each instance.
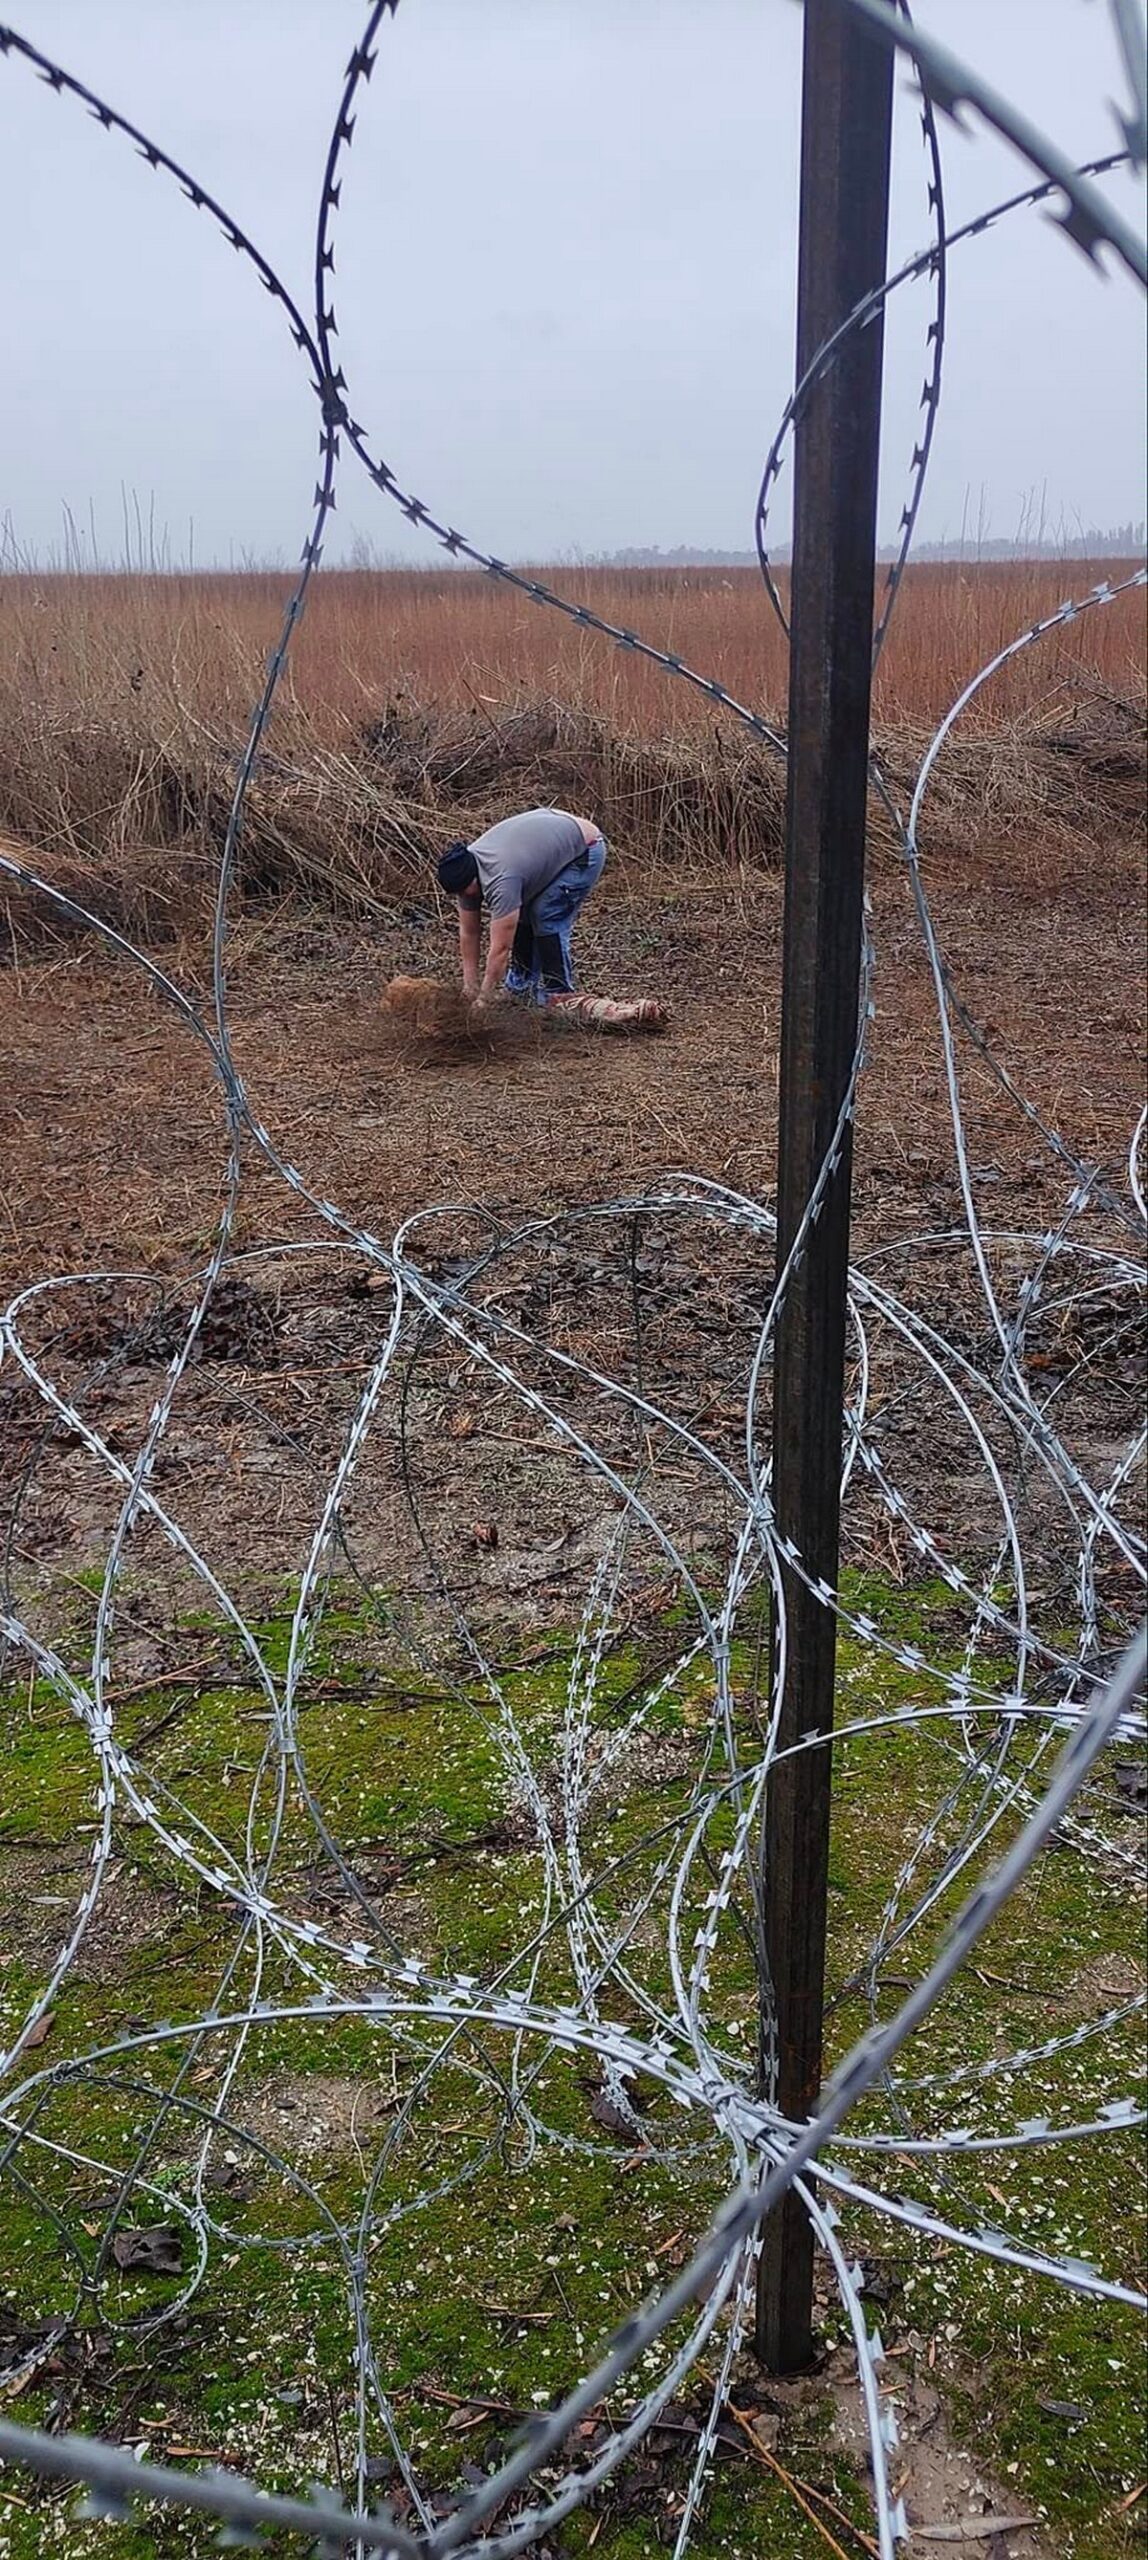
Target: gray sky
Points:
(565, 282)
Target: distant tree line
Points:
(1118, 542)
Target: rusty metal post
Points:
(847, 98)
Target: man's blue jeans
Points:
(540, 963)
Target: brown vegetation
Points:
(419, 706)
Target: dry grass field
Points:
(194, 644)
(419, 705)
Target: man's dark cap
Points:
(457, 869)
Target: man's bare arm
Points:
(501, 944)
(470, 942)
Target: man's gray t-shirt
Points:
(518, 858)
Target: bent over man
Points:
(531, 873)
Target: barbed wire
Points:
(925, 262)
(646, 1929)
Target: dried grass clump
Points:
(694, 801)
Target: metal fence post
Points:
(847, 95)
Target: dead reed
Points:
(421, 705)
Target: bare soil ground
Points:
(112, 1128)
(114, 1141)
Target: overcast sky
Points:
(566, 260)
